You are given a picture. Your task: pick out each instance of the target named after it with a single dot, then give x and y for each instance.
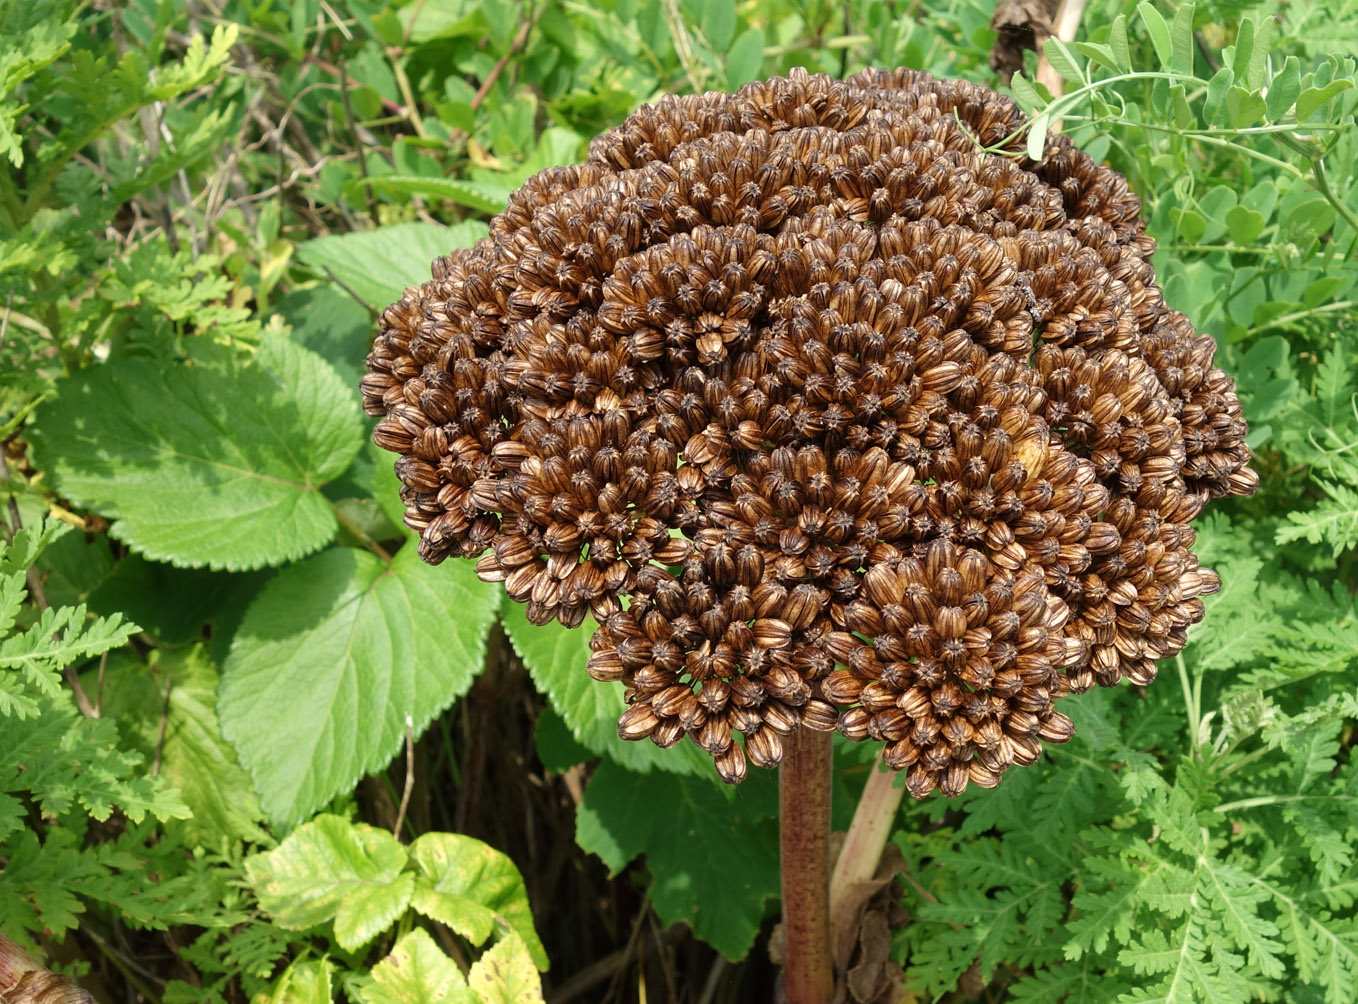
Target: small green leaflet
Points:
(712, 852)
(205, 465)
(332, 869)
(378, 265)
(416, 972)
(473, 889)
(331, 658)
(1181, 35)
(1310, 100)
(556, 657)
(1159, 32)
(1063, 60)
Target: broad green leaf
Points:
(1310, 100)
(1189, 224)
(193, 755)
(1159, 32)
(505, 975)
(1183, 112)
(171, 604)
(332, 869)
(1063, 60)
(416, 972)
(746, 58)
(332, 324)
(202, 465)
(378, 265)
(474, 889)
(713, 856)
(332, 657)
(556, 657)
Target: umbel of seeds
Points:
(829, 417)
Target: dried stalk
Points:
(804, 814)
(862, 850)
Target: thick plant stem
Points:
(804, 813)
(862, 850)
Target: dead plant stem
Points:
(804, 784)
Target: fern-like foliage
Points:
(58, 769)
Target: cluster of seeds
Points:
(828, 417)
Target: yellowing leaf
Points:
(416, 972)
(332, 869)
(474, 889)
(505, 975)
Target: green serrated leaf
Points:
(333, 869)
(200, 465)
(331, 658)
(700, 874)
(473, 889)
(378, 265)
(416, 972)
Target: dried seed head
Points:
(755, 386)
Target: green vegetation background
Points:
(221, 663)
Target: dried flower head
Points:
(830, 418)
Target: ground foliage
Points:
(221, 666)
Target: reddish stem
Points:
(804, 804)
